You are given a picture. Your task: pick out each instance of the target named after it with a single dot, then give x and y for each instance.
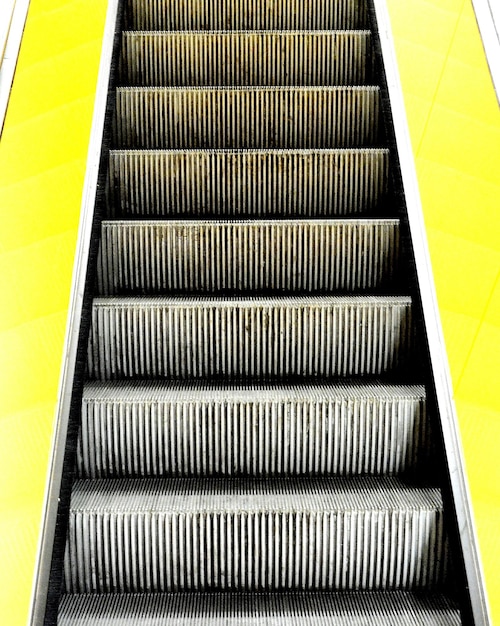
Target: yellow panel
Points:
(481, 434)
(42, 166)
(459, 331)
(458, 161)
(28, 299)
(476, 265)
(479, 382)
(459, 203)
(493, 310)
(464, 143)
(18, 537)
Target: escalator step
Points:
(257, 183)
(167, 534)
(246, 14)
(258, 337)
(293, 255)
(260, 609)
(245, 58)
(246, 117)
(203, 429)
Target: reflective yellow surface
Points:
(454, 121)
(42, 165)
(455, 127)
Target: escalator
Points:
(256, 433)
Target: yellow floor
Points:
(455, 126)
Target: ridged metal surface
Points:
(260, 609)
(198, 337)
(192, 484)
(246, 14)
(293, 255)
(250, 117)
(187, 429)
(169, 534)
(245, 58)
(275, 183)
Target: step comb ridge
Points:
(260, 609)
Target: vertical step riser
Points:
(336, 117)
(157, 257)
(287, 550)
(259, 59)
(246, 15)
(256, 183)
(258, 339)
(351, 434)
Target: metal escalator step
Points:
(246, 14)
(293, 255)
(145, 428)
(260, 183)
(188, 533)
(246, 117)
(260, 609)
(192, 337)
(256, 58)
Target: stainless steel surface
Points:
(247, 15)
(488, 19)
(13, 15)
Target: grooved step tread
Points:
(207, 391)
(204, 429)
(257, 255)
(260, 609)
(252, 495)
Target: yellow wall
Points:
(454, 121)
(42, 165)
(455, 126)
